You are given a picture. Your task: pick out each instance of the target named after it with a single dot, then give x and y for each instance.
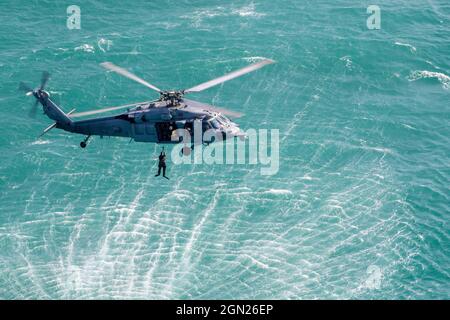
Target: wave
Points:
(254, 59)
(348, 61)
(39, 142)
(248, 11)
(412, 48)
(443, 78)
(86, 48)
(278, 191)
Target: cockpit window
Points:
(224, 121)
(214, 123)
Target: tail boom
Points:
(55, 113)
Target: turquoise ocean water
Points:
(359, 208)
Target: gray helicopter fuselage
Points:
(153, 122)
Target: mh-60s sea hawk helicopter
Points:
(150, 121)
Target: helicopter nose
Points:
(235, 131)
(241, 134)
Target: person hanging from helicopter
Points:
(162, 164)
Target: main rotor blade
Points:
(204, 106)
(129, 75)
(107, 109)
(44, 79)
(230, 76)
(33, 110)
(25, 88)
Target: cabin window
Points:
(215, 124)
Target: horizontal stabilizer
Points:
(50, 127)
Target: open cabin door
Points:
(164, 131)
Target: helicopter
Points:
(153, 121)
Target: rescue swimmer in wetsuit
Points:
(162, 164)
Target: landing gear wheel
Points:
(83, 143)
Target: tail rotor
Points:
(38, 93)
(44, 80)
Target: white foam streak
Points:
(443, 78)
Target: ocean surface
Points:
(358, 210)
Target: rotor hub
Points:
(173, 96)
(40, 94)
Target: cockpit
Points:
(215, 122)
(218, 121)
